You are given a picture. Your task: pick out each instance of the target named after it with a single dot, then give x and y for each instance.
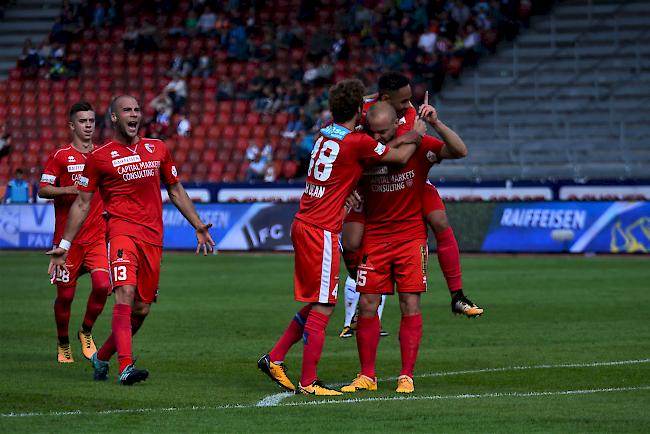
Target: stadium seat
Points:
(289, 169)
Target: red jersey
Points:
(63, 169)
(334, 170)
(128, 179)
(392, 196)
(405, 123)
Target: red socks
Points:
(62, 307)
(410, 333)
(291, 335)
(449, 259)
(97, 298)
(314, 338)
(122, 334)
(368, 329)
(108, 348)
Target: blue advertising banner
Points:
(258, 226)
(602, 227)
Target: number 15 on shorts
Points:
(119, 273)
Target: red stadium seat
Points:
(215, 132)
(242, 107)
(223, 118)
(290, 169)
(229, 133)
(244, 132)
(252, 119)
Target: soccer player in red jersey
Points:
(88, 252)
(127, 172)
(395, 89)
(394, 252)
(337, 160)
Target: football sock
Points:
(122, 334)
(64, 339)
(382, 303)
(410, 333)
(367, 343)
(108, 348)
(351, 300)
(291, 335)
(97, 299)
(314, 338)
(449, 258)
(62, 307)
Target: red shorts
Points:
(317, 263)
(134, 262)
(431, 200)
(82, 258)
(386, 265)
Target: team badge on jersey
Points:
(149, 147)
(71, 159)
(431, 156)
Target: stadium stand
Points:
(258, 76)
(567, 100)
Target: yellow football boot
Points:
(64, 353)
(87, 344)
(275, 371)
(404, 384)
(317, 388)
(362, 382)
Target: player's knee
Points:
(100, 280)
(410, 304)
(438, 221)
(65, 295)
(368, 304)
(125, 294)
(141, 309)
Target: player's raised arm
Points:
(178, 196)
(78, 213)
(454, 146)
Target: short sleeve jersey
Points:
(63, 169)
(335, 167)
(392, 196)
(128, 179)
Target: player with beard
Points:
(127, 172)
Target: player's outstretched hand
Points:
(57, 260)
(204, 240)
(426, 111)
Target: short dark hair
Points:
(346, 99)
(391, 82)
(81, 106)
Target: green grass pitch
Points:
(562, 320)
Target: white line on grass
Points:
(339, 401)
(275, 399)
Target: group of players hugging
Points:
(367, 193)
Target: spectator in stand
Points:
(427, 41)
(99, 15)
(18, 190)
(184, 127)
(5, 142)
(177, 91)
(460, 13)
(163, 107)
(29, 59)
(130, 37)
(204, 68)
(225, 90)
(259, 164)
(207, 22)
(192, 24)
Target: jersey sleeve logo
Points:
(48, 179)
(431, 156)
(380, 149)
(174, 171)
(402, 120)
(150, 147)
(83, 181)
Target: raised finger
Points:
(426, 97)
(198, 248)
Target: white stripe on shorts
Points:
(326, 268)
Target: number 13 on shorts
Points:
(119, 273)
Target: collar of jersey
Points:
(335, 131)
